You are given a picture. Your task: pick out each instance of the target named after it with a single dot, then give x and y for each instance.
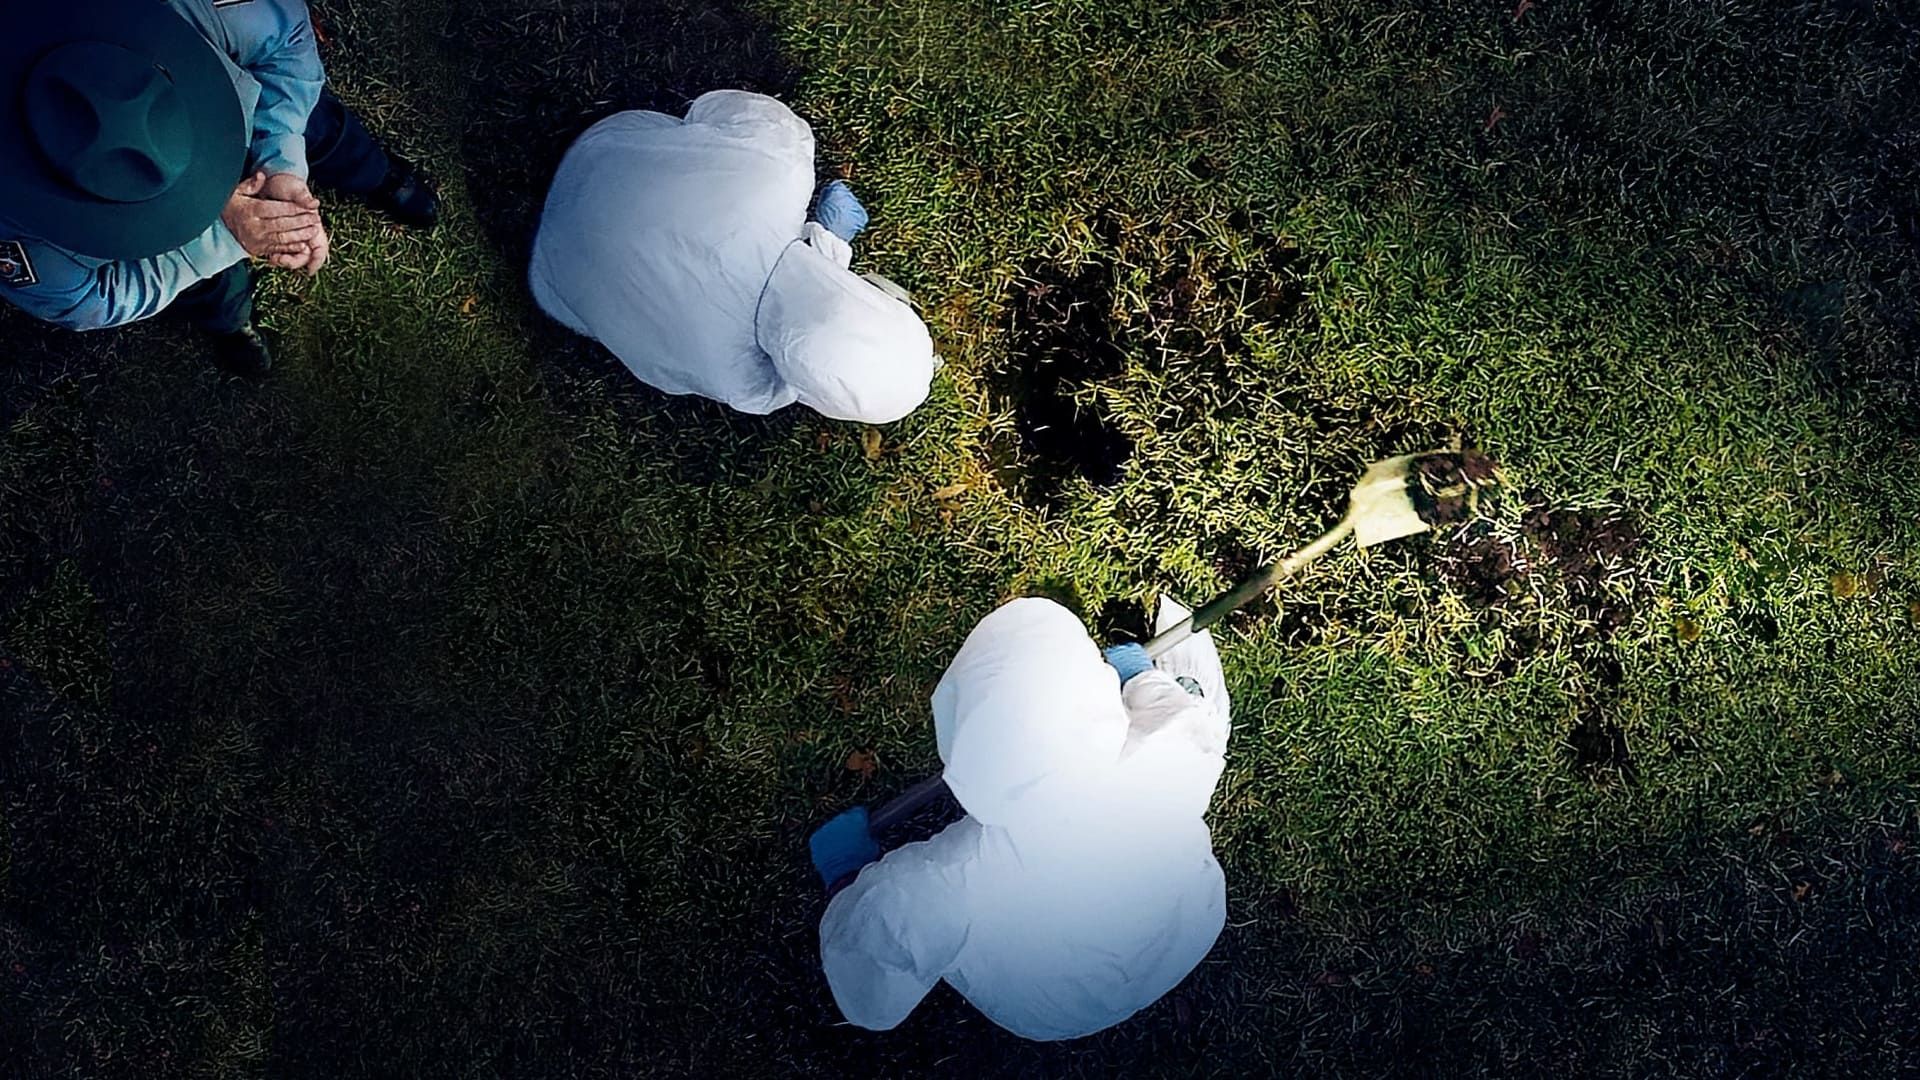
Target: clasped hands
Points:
(276, 218)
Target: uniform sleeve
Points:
(888, 937)
(88, 294)
(273, 41)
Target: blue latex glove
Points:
(1128, 660)
(839, 212)
(843, 845)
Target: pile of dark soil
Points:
(1585, 562)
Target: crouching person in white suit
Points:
(684, 247)
(1081, 886)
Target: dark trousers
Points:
(342, 157)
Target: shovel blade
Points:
(1381, 509)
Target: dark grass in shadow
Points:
(1791, 130)
(541, 74)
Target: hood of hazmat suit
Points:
(1081, 886)
(682, 245)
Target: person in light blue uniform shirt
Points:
(149, 149)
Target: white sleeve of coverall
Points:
(837, 251)
(1176, 745)
(1159, 709)
(889, 936)
(273, 41)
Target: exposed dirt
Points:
(1067, 338)
(1581, 551)
(1595, 744)
(1203, 304)
(1484, 568)
(1589, 549)
(1121, 621)
(1583, 562)
(1237, 561)
(1063, 342)
(1446, 487)
(716, 669)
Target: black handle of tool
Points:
(906, 803)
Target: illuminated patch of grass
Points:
(490, 696)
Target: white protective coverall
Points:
(1081, 886)
(683, 247)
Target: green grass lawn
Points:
(452, 705)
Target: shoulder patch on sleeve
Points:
(15, 268)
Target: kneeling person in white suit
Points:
(1081, 886)
(684, 247)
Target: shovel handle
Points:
(906, 803)
(1247, 591)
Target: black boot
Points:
(242, 352)
(406, 195)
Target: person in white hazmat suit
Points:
(683, 246)
(1081, 885)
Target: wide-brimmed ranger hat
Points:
(121, 133)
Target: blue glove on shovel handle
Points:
(839, 212)
(1129, 660)
(843, 845)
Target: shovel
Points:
(1395, 498)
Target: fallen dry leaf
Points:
(1913, 612)
(1801, 890)
(870, 441)
(467, 305)
(951, 491)
(1844, 585)
(864, 763)
(1685, 628)
(823, 441)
